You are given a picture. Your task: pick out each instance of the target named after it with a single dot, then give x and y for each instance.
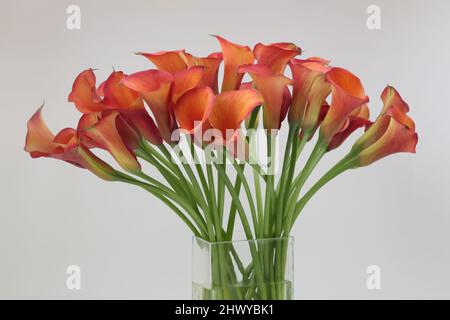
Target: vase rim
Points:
(290, 238)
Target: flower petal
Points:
(141, 121)
(231, 108)
(146, 81)
(353, 124)
(211, 69)
(170, 61)
(84, 93)
(234, 55)
(118, 96)
(106, 134)
(39, 139)
(392, 99)
(348, 94)
(193, 109)
(276, 55)
(155, 87)
(396, 138)
(304, 74)
(273, 90)
(184, 81)
(393, 104)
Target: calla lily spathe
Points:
(309, 91)
(234, 56)
(66, 146)
(193, 109)
(231, 108)
(273, 88)
(392, 132)
(276, 55)
(347, 95)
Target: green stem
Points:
(247, 229)
(237, 183)
(259, 204)
(221, 187)
(319, 150)
(248, 193)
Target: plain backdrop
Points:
(394, 214)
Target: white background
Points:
(394, 214)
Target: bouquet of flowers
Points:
(207, 142)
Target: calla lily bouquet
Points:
(205, 143)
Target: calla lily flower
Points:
(118, 96)
(231, 108)
(309, 91)
(356, 120)
(179, 60)
(66, 146)
(85, 95)
(184, 81)
(112, 95)
(169, 61)
(130, 104)
(161, 91)
(234, 56)
(154, 86)
(194, 108)
(392, 132)
(113, 134)
(273, 88)
(210, 65)
(276, 55)
(347, 95)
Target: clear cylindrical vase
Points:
(260, 269)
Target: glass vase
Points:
(260, 269)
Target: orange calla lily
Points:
(184, 81)
(210, 65)
(354, 123)
(276, 55)
(234, 56)
(231, 108)
(130, 104)
(112, 95)
(347, 95)
(154, 86)
(169, 61)
(112, 133)
(309, 91)
(194, 108)
(66, 146)
(179, 60)
(161, 90)
(118, 96)
(273, 88)
(85, 95)
(141, 121)
(392, 132)
(394, 105)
